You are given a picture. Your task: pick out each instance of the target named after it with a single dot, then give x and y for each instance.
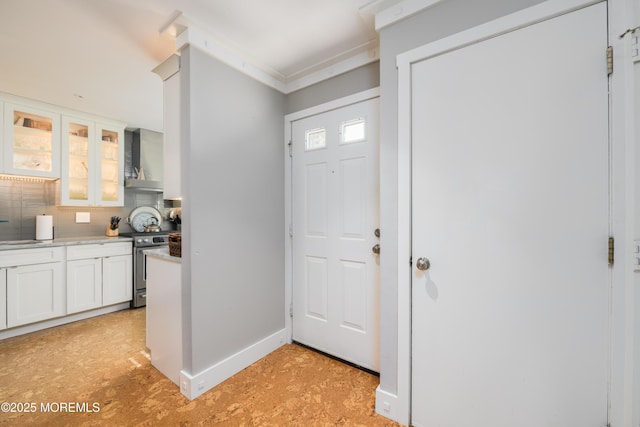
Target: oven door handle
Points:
(144, 265)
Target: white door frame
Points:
(621, 394)
(288, 189)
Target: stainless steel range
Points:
(143, 241)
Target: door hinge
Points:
(290, 149)
(291, 310)
(290, 230)
(611, 245)
(609, 60)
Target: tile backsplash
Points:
(22, 200)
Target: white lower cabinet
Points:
(84, 284)
(3, 298)
(31, 285)
(117, 279)
(98, 275)
(34, 293)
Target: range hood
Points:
(145, 155)
(143, 184)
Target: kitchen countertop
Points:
(163, 253)
(64, 241)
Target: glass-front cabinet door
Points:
(78, 153)
(31, 142)
(92, 163)
(110, 165)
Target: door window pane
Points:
(352, 131)
(315, 139)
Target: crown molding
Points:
(331, 67)
(187, 32)
(388, 12)
(358, 57)
(385, 13)
(193, 37)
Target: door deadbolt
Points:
(423, 264)
(377, 232)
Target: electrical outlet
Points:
(184, 385)
(83, 217)
(200, 385)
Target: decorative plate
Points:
(140, 216)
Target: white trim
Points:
(21, 330)
(404, 62)
(331, 105)
(193, 37)
(404, 247)
(625, 335)
(288, 238)
(351, 63)
(529, 16)
(271, 78)
(288, 120)
(168, 67)
(388, 406)
(63, 111)
(400, 11)
(192, 386)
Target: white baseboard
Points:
(389, 406)
(20, 330)
(193, 386)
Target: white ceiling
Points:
(97, 55)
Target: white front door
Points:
(335, 215)
(510, 206)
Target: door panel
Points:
(335, 213)
(354, 285)
(353, 188)
(316, 196)
(316, 281)
(510, 205)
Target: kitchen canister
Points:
(44, 227)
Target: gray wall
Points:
(233, 208)
(354, 81)
(439, 21)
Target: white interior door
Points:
(335, 214)
(510, 205)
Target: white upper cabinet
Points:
(31, 145)
(110, 165)
(84, 151)
(78, 154)
(92, 163)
